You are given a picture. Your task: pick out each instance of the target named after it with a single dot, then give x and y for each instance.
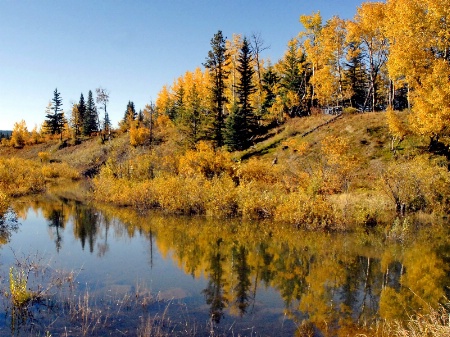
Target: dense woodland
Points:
(204, 133)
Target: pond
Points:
(112, 271)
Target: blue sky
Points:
(132, 48)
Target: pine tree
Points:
(241, 124)
(215, 63)
(55, 116)
(91, 116)
(81, 113)
(269, 81)
(355, 77)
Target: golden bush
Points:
(257, 200)
(314, 213)
(20, 177)
(221, 197)
(205, 161)
(4, 203)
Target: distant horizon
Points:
(132, 50)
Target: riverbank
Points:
(314, 173)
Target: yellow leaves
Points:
(139, 135)
(431, 110)
(396, 128)
(4, 203)
(20, 134)
(205, 161)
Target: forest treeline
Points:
(189, 148)
(392, 55)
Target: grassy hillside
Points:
(318, 172)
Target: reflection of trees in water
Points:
(8, 225)
(334, 281)
(85, 225)
(56, 222)
(242, 269)
(214, 293)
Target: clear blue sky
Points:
(131, 48)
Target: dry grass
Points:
(434, 324)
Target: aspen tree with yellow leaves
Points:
(419, 56)
(328, 79)
(366, 31)
(313, 27)
(20, 134)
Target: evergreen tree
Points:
(294, 81)
(241, 125)
(55, 116)
(130, 112)
(81, 113)
(129, 116)
(269, 81)
(355, 77)
(215, 63)
(91, 116)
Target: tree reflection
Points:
(8, 225)
(85, 225)
(214, 293)
(242, 268)
(56, 222)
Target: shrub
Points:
(19, 177)
(418, 184)
(44, 157)
(4, 203)
(221, 197)
(18, 280)
(308, 212)
(350, 110)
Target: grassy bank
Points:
(315, 172)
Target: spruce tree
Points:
(82, 112)
(91, 117)
(241, 124)
(55, 116)
(215, 63)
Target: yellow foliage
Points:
(4, 203)
(20, 134)
(20, 177)
(205, 161)
(139, 135)
(315, 213)
(44, 157)
(431, 110)
(57, 170)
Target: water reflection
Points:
(8, 225)
(333, 282)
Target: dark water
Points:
(193, 276)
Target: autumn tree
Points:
(215, 63)
(292, 96)
(55, 116)
(103, 100)
(129, 116)
(366, 31)
(328, 78)
(310, 37)
(419, 57)
(20, 134)
(241, 124)
(193, 120)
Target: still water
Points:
(195, 276)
